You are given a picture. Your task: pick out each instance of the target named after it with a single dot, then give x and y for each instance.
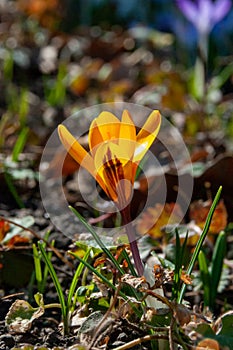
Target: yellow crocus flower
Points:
(115, 151)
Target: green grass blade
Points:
(46, 270)
(131, 267)
(37, 264)
(75, 279)
(183, 249)
(95, 271)
(201, 240)
(56, 284)
(177, 270)
(23, 107)
(98, 240)
(217, 265)
(20, 143)
(205, 277)
(179, 262)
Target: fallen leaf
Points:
(199, 211)
(21, 315)
(17, 234)
(4, 228)
(208, 344)
(154, 218)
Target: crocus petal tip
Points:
(60, 129)
(156, 114)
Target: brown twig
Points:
(11, 296)
(105, 317)
(56, 251)
(144, 339)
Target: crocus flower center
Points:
(119, 188)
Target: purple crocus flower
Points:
(204, 14)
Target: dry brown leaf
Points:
(4, 228)
(199, 211)
(208, 344)
(154, 218)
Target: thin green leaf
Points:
(183, 249)
(179, 262)
(75, 279)
(131, 267)
(20, 143)
(46, 270)
(23, 107)
(8, 66)
(37, 263)
(205, 277)
(98, 240)
(178, 258)
(57, 286)
(201, 240)
(222, 77)
(217, 265)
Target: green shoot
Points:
(211, 277)
(217, 265)
(41, 276)
(66, 304)
(98, 240)
(58, 287)
(23, 107)
(205, 277)
(107, 251)
(179, 260)
(200, 241)
(20, 143)
(131, 267)
(8, 66)
(70, 301)
(55, 92)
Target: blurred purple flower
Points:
(204, 14)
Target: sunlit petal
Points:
(127, 132)
(147, 135)
(74, 148)
(105, 127)
(127, 129)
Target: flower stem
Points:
(126, 219)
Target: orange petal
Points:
(103, 128)
(127, 132)
(127, 128)
(74, 148)
(147, 135)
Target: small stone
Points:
(117, 343)
(122, 336)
